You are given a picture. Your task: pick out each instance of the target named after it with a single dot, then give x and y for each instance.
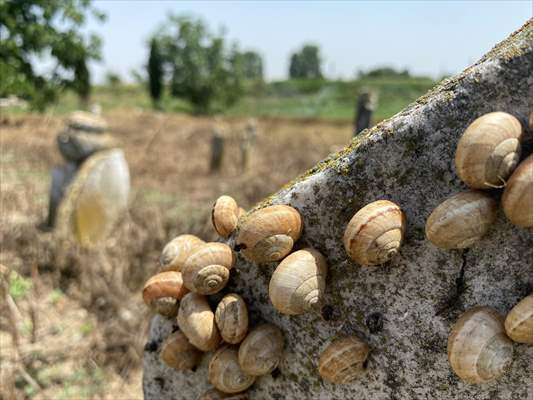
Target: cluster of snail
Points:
(478, 347)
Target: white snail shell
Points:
(261, 351)
(517, 199)
(375, 233)
(268, 234)
(461, 220)
(225, 215)
(231, 317)
(478, 349)
(519, 321)
(343, 360)
(197, 322)
(489, 150)
(225, 374)
(298, 282)
(207, 269)
(176, 252)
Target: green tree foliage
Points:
(384, 72)
(155, 71)
(49, 30)
(203, 70)
(252, 65)
(306, 63)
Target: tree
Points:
(50, 30)
(155, 71)
(201, 67)
(252, 65)
(306, 63)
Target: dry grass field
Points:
(72, 322)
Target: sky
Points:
(427, 37)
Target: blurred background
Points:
(204, 99)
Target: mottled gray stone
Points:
(407, 159)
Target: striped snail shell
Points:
(162, 291)
(517, 199)
(178, 353)
(225, 215)
(225, 374)
(298, 282)
(261, 351)
(197, 322)
(375, 233)
(461, 220)
(176, 252)
(489, 150)
(231, 317)
(478, 349)
(343, 360)
(207, 269)
(268, 234)
(519, 321)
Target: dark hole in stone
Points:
(374, 322)
(276, 373)
(327, 312)
(175, 328)
(160, 381)
(193, 369)
(365, 364)
(150, 347)
(239, 247)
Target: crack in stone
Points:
(460, 287)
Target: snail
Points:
(517, 199)
(489, 150)
(241, 213)
(178, 353)
(231, 317)
(207, 269)
(176, 252)
(375, 233)
(261, 351)
(461, 220)
(197, 322)
(519, 321)
(162, 291)
(225, 374)
(478, 349)
(268, 234)
(224, 215)
(298, 282)
(343, 360)
(214, 394)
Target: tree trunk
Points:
(409, 160)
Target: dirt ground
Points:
(72, 322)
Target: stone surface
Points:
(407, 159)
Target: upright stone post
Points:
(217, 150)
(246, 142)
(365, 105)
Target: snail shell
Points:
(231, 317)
(225, 374)
(343, 360)
(298, 282)
(261, 351)
(478, 349)
(268, 234)
(461, 220)
(242, 212)
(178, 353)
(517, 199)
(225, 215)
(519, 321)
(197, 322)
(375, 233)
(161, 291)
(489, 150)
(207, 269)
(214, 394)
(176, 252)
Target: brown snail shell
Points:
(519, 321)
(261, 351)
(343, 360)
(375, 233)
(461, 220)
(162, 291)
(207, 269)
(478, 349)
(298, 282)
(517, 199)
(489, 150)
(178, 353)
(214, 394)
(231, 317)
(268, 234)
(197, 322)
(176, 252)
(225, 215)
(241, 213)
(225, 374)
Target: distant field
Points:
(296, 99)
